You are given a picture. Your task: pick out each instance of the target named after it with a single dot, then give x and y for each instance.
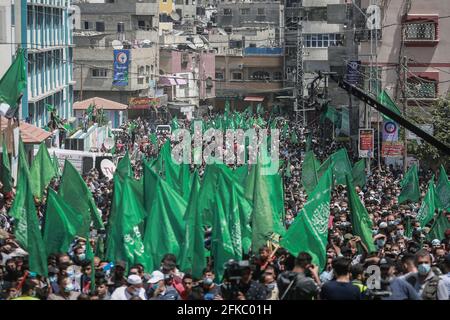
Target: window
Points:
(99, 73)
(421, 88)
(260, 75)
(237, 76)
(245, 11)
(100, 26)
(322, 40)
(140, 80)
(187, 2)
(147, 70)
(227, 12)
(208, 90)
(277, 76)
(421, 31)
(261, 11)
(86, 25)
(219, 76)
(141, 24)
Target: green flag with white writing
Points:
(443, 190)
(429, 205)
(410, 186)
(309, 232)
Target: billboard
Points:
(366, 143)
(392, 149)
(390, 131)
(121, 63)
(353, 73)
(143, 103)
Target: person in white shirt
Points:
(133, 289)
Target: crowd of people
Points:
(411, 266)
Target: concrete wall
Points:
(103, 87)
(425, 59)
(7, 49)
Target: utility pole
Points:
(300, 74)
(405, 105)
(81, 83)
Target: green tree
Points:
(439, 118)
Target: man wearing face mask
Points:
(209, 290)
(66, 290)
(426, 283)
(134, 288)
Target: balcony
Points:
(421, 31)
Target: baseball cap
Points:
(156, 276)
(134, 279)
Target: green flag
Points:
(13, 82)
(241, 173)
(154, 140)
(124, 240)
(6, 170)
(124, 168)
(443, 190)
(260, 109)
(165, 228)
(361, 224)
(56, 165)
(26, 225)
(174, 124)
(75, 192)
(62, 224)
(410, 186)
(19, 207)
(309, 232)
(387, 101)
(440, 226)
(428, 207)
(294, 138)
(309, 172)
(262, 218)
(341, 165)
(222, 244)
(193, 253)
(285, 131)
(41, 172)
(359, 173)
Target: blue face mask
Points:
(374, 231)
(155, 286)
(81, 257)
(207, 281)
(424, 269)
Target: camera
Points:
(234, 271)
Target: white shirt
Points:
(121, 294)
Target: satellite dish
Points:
(198, 43)
(175, 16)
(108, 143)
(117, 44)
(108, 168)
(191, 45)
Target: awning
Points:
(99, 103)
(254, 98)
(28, 132)
(181, 82)
(166, 81)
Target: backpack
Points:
(431, 287)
